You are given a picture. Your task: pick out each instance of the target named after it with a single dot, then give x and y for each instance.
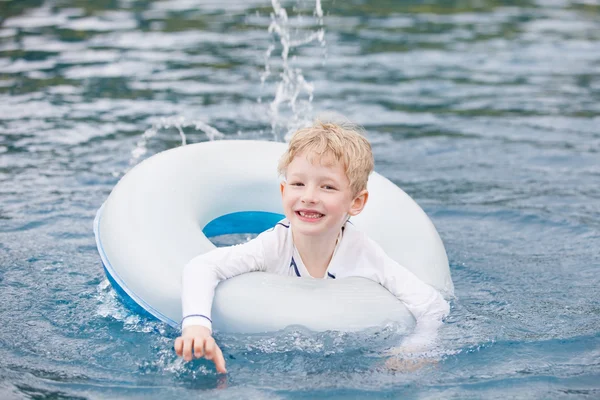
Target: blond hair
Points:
(345, 143)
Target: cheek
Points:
(337, 202)
(287, 197)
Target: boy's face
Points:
(317, 198)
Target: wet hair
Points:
(345, 143)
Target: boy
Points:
(325, 170)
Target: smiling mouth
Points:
(310, 214)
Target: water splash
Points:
(291, 108)
(110, 306)
(178, 123)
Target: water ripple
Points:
(486, 113)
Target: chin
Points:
(309, 232)
(313, 228)
(308, 226)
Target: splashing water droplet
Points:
(178, 123)
(291, 108)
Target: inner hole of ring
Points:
(239, 227)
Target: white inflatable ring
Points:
(152, 224)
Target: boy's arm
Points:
(200, 278)
(425, 303)
(427, 306)
(203, 273)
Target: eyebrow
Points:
(322, 179)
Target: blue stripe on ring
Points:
(293, 264)
(116, 278)
(196, 315)
(330, 275)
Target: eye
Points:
(329, 187)
(297, 184)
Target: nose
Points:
(309, 195)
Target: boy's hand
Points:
(197, 341)
(396, 364)
(403, 359)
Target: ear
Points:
(359, 203)
(281, 187)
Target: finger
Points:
(198, 347)
(220, 361)
(393, 364)
(178, 346)
(209, 348)
(187, 349)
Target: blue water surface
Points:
(487, 113)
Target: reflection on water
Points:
(486, 112)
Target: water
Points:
(487, 113)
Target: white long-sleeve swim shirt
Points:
(273, 251)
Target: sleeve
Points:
(425, 303)
(203, 273)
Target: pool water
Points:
(487, 113)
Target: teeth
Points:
(310, 214)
